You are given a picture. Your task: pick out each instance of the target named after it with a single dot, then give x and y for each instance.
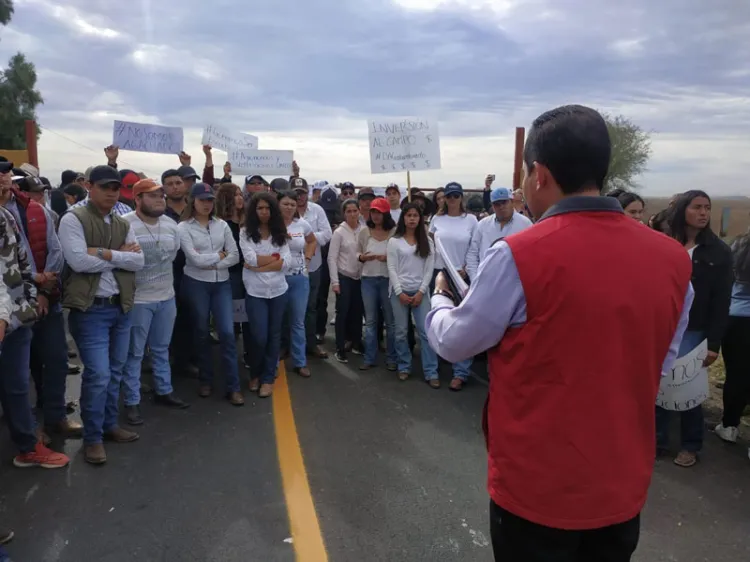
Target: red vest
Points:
(570, 415)
(35, 228)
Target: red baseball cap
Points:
(381, 205)
(128, 181)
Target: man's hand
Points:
(207, 150)
(112, 152)
(134, 248)
(3, 327)
(441, 283)
(227, 168)
(462, 273)
(405, 299)
(416, 300)
(185, 158)
(336, 289)
(710, 358)
(42, 304)
(295, 169)
(488, 181)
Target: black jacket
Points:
(712, 280)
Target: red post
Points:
(31, 143)
(518, 161)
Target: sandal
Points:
(456, 384)
(403, 375)
(304, 372)
(254, 385)
(686, 459)
(434, 383)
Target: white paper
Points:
(686, 385)
(399, 145)
(142, 137)
(239, 312)
(458, 281)
(262, 162)
(226, 140)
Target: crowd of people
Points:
(151, 271)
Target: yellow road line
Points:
(303, 520)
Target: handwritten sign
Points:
(400, 145)
(686, 385)
(263, 162)
(142, 137)
(239, 312)
(226, 140)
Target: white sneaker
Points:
(728, 434)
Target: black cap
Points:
(365, 192)
(279, 184)
(255, 178)
(31, 184)
(299, 183)
(187, 172)
(329, 199)
(6, 167)
(45, 181)
(202, 191)
(102, 175)
(169, 174)
(69, 176)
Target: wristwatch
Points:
(441, 292)
(100, 252)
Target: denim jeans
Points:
(102, 335)
(49, 363)
(207, 299)
(691, 421)
(312, 313)
(152, 325)
(14, 389)
(297, 300)
(265, 317)
(349, 312)
(375, 299)
(401, 321)
(4, 556)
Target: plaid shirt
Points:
(119, 209)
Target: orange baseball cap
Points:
(145, 186)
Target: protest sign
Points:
(403, 145)
(263, 162)
(239, 312)
(226, 140)
(142, 137)
(685, 386)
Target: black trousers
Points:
(735, 348)
(324, 287)
(517, 540)
(349, 312)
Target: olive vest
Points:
(79, 289)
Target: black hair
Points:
(75, 190)
(678, 224)
(388, 222)
(345, 204)
(275, 222)
(435, 194)
(189, 211)
(573, 143)
(57, 201)
(420, 233)
(626, 198)
(168, 174)
(289, 194)
(660, 221)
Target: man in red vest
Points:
(580, 315)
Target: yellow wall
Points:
(18, 157)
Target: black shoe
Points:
(185, 370)
(133, 415)
(171, 400)
(72, 354)
(341, 357)
(74, 369)
(6, 535)
(70, 407)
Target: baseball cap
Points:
(187, 172)
(255, 179)
(365, 192)
(169, 174)
(299, 184)
(6, 167)
(475, 204)
(145, 186)
(103, 175)
(69, 176)
(392, 186)
(129, 179)
(329, 199)
(381, 205)
(279, 184)
(87, 173)
(202, 191)
(453, 187)
(31, 184)
(500, 194)
(347, 185)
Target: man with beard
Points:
(154, 311)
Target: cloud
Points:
(308, 75)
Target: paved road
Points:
(396, 471)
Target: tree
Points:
(19, 97)
(631, 150)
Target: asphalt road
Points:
(396, 471)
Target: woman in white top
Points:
(265, 248)
(411, 257)
(210, 250)
(372, 253)
(346, 270)
(454, 227)
(302, 246)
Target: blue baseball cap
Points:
(202, 191)
(500, 194)
(453, 187)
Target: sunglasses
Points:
(256, 183)
(110, 186)
(347, 191)
(453, 196)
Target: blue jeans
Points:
(691, 421)
(401, 321)
(206, 299)
(102, 335)
(297, 298)
(14, 389)
(265, 316)
(49, 363)
(375, 298)
(152, 325)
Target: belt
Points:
(113, 300)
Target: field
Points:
(739, 213)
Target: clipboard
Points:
(458, 287)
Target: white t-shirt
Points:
(159, 244)
(407, 271)
(455, 235)
(298, 231)
(396, 214)
(691, 250)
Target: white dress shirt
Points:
(488, 231)
(75, 251)
(316, 217)
(202, 245)
(263, 284)
(342, 255)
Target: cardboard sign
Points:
(686, 385)
(226, 140)
(400, 145)
(239, 312)
(142, 137)
(262, 162)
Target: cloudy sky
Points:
(307, 75)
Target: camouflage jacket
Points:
(16, 274)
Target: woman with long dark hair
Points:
(411, 257)
(632, 203)
(210, 250)
(690, 225)
(264, 244)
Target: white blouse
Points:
(263, 284)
